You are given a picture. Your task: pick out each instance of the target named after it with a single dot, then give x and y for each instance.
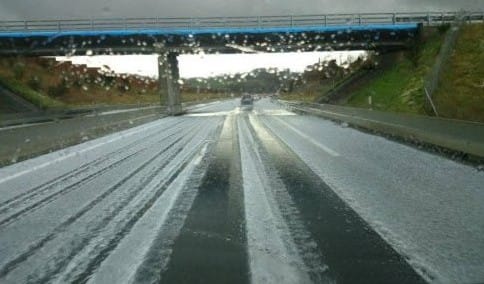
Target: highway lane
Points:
(224, 195)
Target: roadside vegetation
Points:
(401, 87)
(51, 84)
(461, 91)
(315, 83)
(40, 100)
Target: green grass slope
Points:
(461, 91)
(400, 89)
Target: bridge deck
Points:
(384, 31)
(223, 31)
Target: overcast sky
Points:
(54, 9)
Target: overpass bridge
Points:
(169, 37)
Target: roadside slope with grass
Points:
(50, 84)
(318, 80)
(401, 87)
(460, 94)
(461, 90)
(40, 100)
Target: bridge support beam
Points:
(168, 79)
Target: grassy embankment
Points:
(461, 91)
(316, 82)
(48, 85)
(38, 99)
(460, 94)
(400, 89)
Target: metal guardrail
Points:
(427, 18)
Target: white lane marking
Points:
(97, 144)
(108, 112)
(198, 159)
(273, 112)
(310, 139)
(25, 125)
(273, 256)
(53, 120)
(236, 110)
(202, 106)
(218, 113)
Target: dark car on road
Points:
(246, 102)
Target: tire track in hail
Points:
(159, 252)
(39, 244)
(211, 246)
(354, 251)
(102, 250)
(76, 185)
(63, 226)
(5, 205)
(52, 269)
(273, 254)
(306, 245)
(48, 199)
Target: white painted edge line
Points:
(24, 125)
(88, 115)
(314, 142)
(219, 113)
(202, 105)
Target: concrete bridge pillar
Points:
(168, 78)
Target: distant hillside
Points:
(257, 81)
(48, 83)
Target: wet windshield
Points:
(289, 142)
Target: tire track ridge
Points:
(354, 250)
(216, 220)
(83, 277)
(307, 247)
(273, 255)
(61, 264)
(158, 257)
(46, 200)
(76, 171)
(61, 227)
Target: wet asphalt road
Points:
(222, 195)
